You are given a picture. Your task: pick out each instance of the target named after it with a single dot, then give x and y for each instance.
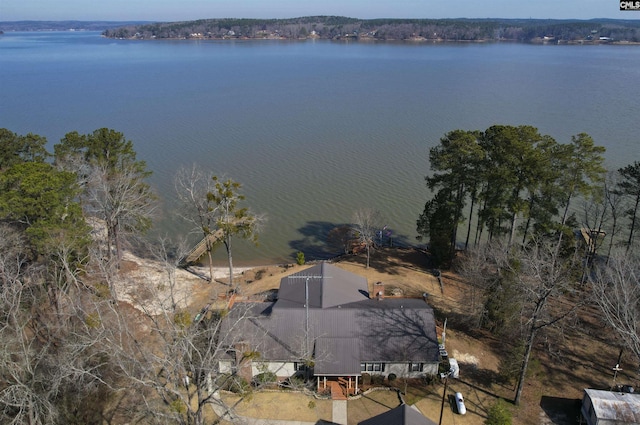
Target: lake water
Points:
(314, 129)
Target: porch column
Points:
(318, 384)
(356, 384)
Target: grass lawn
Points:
(285, 405)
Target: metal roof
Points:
(329, 350)
(610, 405)
(328, 286)
(401, 415)
(343, 335)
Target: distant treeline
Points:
(336, 27)
(64, 25)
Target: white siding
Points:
(401, 370)
(281, 369)
(430, 369)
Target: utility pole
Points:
(444, 395)
(616, 369)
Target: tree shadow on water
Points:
(317, 244)
(314, 243)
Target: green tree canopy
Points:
(15, 149)
(629, 186)
(232, 219)
(41, 200)
(520, 178)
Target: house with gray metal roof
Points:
(324, 324)
(610, 408)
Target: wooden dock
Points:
(201, 247)
(213, 238)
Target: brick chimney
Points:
(378, 290)
(243, 361)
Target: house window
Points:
(372, 367)
(299, 366)
(416, 367)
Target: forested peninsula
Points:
(344, 28)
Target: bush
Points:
(498, 414)
(265, 378)
(293, 382)
(300, 258)
(377, 379)
(366, 379)
(235, 384)
(392, 377)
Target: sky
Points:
(179, 10)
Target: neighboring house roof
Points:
(610, 406)
(350, 329)
(401, 415)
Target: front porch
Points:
(339, 387)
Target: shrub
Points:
(444, 366)
(300, 258)
(366, 379)
(293, 382)
(498, 414)
(392, 377)
(377, 379)
(267, 377)
(239, 385)
(235, 384)
(430, 379)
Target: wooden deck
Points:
(337, 392)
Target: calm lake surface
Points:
(313, 129)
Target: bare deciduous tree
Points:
(366, 224)
(212, 206)
(176, 368)
(192, 185)
(51, 358)
(616, 290)
(122, 199)
(539, 279)
(544, 279)
(112, 181)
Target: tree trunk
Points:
(613, 233)
(368, 255)
(209, 248)
(466, 243)
(525, 364)
(528, 224)
(512, 233)
(227, 244)
(633, 222)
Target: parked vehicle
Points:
(460, 404)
